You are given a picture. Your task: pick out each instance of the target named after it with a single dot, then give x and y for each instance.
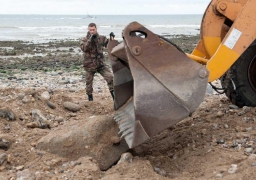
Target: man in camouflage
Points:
(92, 46)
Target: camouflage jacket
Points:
(93, 51)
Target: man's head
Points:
(92, 28)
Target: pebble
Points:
(25, 175)
(26, 99)
(220, 114)
(75, 163)
(37, 117)
(126, 157)
(32, 93)
(221, 141)
(32, 125)
(249, 150)
(232, 106)
(19, 168)
(45, 95)
(51, 105)
(89, 177)
(226, 126)
(162, 172)
(219, 175)
(64, 82)
(8, 114)
(233, 169)
(59, 119)
(244, 111)
(252, 157)
(2, 168)
(72, 90)
(215, 126)
(73, 81)
(115, 140)
(56, 124)
(33, 144)
(72, 114)
(4, 144)
(21, 96)
(7, 127)
(71, 106)
(3, 158)
(54, 74)
(9, 158)
(253, 164)
(203, 131)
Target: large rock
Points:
(86, 138)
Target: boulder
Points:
(91, 137)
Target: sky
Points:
(103, 7)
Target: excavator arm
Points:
(157, 85)
(228, 28)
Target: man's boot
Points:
(90, 97)
(112, 94)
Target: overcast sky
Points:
(104, 7)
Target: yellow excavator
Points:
(157, 85)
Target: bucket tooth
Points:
(130, 131)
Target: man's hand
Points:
(112, 35)
(92, 37)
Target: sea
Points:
(39, 28)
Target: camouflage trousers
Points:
(106, 74)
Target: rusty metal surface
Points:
(119, 51)
(168, 86)
(123, 81)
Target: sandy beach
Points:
(43, 103)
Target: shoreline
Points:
(57, 64)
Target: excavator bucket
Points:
(156, 85)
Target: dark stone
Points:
(51, 105)
(5, 145)
(8, 114)
(221, 141)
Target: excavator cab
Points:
(157, 85)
